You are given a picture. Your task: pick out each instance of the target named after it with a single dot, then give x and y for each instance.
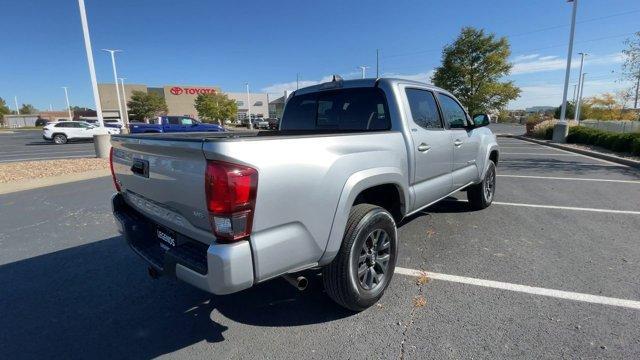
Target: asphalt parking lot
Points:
(549, 270)
(24, 145)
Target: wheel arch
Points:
(367, 186)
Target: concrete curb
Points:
(595, 154)
(22, 185)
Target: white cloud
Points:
(534, 63)
(520, 58)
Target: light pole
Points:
(575, 86)
(297, 81)
(561, 129)
(580, 97)
(377, 63)
(15, 100)
(126, 111)
(92, 69)
(364, 70)
(249, 106)
(66, 96)
(113, 52)
(575, 117)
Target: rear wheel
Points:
(364, 265)
(481, 195)
(59, 139)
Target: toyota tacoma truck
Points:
(226, 211)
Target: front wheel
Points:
(481, 195)
(60, 139)
(365, 263)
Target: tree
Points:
(4, 109)
(27, 109)
(472, 68)
(605, 107)
(631, 64)
(215, 107)
(570, 112)
(144, 106)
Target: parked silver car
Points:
(226, 211)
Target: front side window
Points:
(186, 121)
(424, 110)
(453, 113)
(345, 109)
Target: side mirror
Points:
(481, 120)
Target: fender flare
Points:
(354, 185)
(485, 166)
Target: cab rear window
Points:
(344, 109)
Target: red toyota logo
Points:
(176, 90)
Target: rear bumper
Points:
(217, 268)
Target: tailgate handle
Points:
(140, 167)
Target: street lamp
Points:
(101, 142)
(15, 99)
(112, 52)
(580, 77)
(249, 106)
(580, 97)
(561, 129)
(126, 111)
(66, 96)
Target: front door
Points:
(465, 146)
(432, 149)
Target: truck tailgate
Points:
(164, 179)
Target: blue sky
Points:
(227, 43)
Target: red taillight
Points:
(231, 198)
(116, 183)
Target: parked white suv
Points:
(62, 132)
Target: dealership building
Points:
(180, 99)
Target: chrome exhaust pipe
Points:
(299, 282)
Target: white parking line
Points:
(583, 155)
(560, 294)
(560, 163)
(569, 208)
(573, 208)
(568, 179)
(539, 154)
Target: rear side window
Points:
(424, 110)
(173, 120)
(345, 109)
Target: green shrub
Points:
(543, 132)
(629, 142)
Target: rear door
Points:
(465, 147)
(432, 148)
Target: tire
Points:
(59, 139)
(481, 195)
(368, 227)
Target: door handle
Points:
(424, 147)
(457, 142)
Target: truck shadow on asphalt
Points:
(96, 300)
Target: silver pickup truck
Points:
(225, 211)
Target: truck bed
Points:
(243, 135)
